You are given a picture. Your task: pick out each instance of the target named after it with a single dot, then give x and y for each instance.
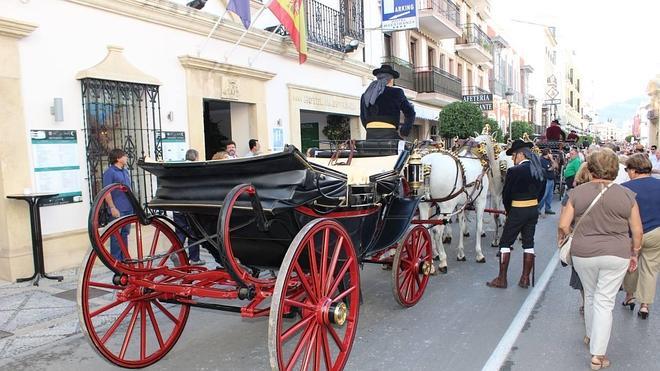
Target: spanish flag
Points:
(291, 13)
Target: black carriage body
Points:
(288, 187)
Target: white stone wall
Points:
(72, 37)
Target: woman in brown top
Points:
(602, 249)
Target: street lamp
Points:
(509, 96)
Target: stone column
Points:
(15, 240)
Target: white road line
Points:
(501, 352)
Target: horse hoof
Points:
(446, 240)
(495, 244)
(437, 258)
(466, 234)
(461, 259)
(483, 235)
(482, 260)
(442, 270)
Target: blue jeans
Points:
(115, 248)
(547, 197)
(180, 219)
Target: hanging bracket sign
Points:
(399, 15)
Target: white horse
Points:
(455, 181)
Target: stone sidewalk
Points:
(34, 316)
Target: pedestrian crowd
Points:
(617, 193)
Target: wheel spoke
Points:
(138, 240)
(317, 348)
(418, 281)
(333, 264)
(154, 245)
(167, 312)
(324, 256)
(341, 274)
(129, 334)
(295, 328)
(310, 347)
(313, 267)
(327, 356)
(299, 347)
(344, 294)
(154, 324)
(336, 338)
(143, 332)
(305, 283)
(104, 285)
(105, 308)
(164, 259)
(122, 245)
(298, 304)
(118, 322)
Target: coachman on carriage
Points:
(288, 235)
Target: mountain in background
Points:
(622, 111)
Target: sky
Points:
(617, 43)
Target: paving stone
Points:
(4, 334)
(30, 308)
(71, 295)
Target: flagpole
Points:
(251, 61)
(233, 48)
(215, 27)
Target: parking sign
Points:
(399, 15)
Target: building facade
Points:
(653, 111)
(447, 57)
(572, 113)
(119, 74)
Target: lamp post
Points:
(532, 106)
(509, 96)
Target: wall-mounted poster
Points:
(56, 167)
(174, 145)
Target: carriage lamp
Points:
(415, 173)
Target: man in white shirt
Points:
(255, 148)
(655, 161)
(231, 149)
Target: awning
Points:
(427, 112)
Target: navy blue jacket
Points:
(521, 186)
(387, 109)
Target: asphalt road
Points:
(457, 325)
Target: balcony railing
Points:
(445, 8)
(472, 90)
(329, 27)
(498, 88)
(435, 80)
(472, 34)
(406, 73)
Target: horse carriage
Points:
(559, 150)
(288, 235)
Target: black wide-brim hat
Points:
(517, 145)
(386, 68)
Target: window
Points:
(469, 77)
(460, 71)
(451, 66)
(442, 62)
(571, 99)
(387, 46)
(431, 57)
(413, 50)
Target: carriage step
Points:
(222, 307)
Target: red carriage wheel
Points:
(127, 324)
(318, 281)
(412, 266)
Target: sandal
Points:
(630, 303)
(601, 362)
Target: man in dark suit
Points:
(524, 187)
(381, 104)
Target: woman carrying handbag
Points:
(601, 247)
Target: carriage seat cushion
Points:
(361, 168)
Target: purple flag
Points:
(242, 9)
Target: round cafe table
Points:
(33, 200)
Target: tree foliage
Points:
(495, 128)
(460, 119)
(337, 128)
(629, 138)
(519, 128)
